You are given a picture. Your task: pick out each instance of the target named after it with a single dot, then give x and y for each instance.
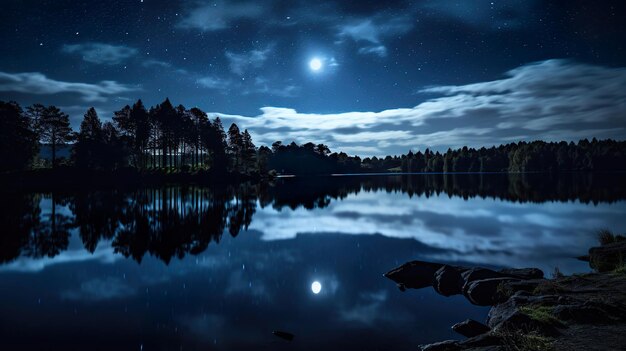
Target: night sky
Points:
(364, 77)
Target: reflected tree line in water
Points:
(177, 221)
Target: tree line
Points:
(174, 138)
(536, 156)
(162, 137)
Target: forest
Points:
(169, 139)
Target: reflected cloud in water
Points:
(221, 269)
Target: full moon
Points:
(316, 287)
(315, 64)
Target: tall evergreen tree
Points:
(248, 152)
(214, 139)
(18, 140)
(142, 131)
(54, 129)
(235, 147)
(89, 149)
(200, 122)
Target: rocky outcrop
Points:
(481, 286)
(414, 274)
(448, 281)
(470, 328)
(486, 292)
(608, 257)
(579, 312)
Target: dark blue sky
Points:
(395, 74)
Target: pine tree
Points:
(215, 141)
(141, 120)
(89, 149)
(235, 147)
(248, 152)
(54, 128)
(18, 140)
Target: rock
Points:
(478, 273)
(508, 316)
(470, 328)
(448, 281)
(414, 274)
(607, 257)
(448, 345)
(581, 314)
(485, 292)
(487, 341)
(528, 286)
(523, 273)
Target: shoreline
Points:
(68, 178)
(530, 312)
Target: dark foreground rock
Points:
(470, 328)
(448, 281)
(608, 257)
(414, 274)
(481, 286)
(579, 312)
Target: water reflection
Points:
(172, 222)
(316, 287)
(198, 268)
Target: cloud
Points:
(215, 83)
(100, 53)
(24, 264)
(38, 84)
(379, 50)
(370, 32)
(259, 85)
(264, 86)
(480, 231)
(551, 100)
(156, 63)
(239, 63)
(217, 15)
(495, 15)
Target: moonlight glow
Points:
(315, 64)
(316, 287)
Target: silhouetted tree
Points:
(54, 128)
(89, 150)
(235, 147)
(200, 123)
(18, 140)
(248, 153)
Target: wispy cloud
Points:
(156, 63)
(217, 15)
(379, 50)
(215, 83)
(370, 32)
(259, 85)
(495, 15)
(101, 53)
(239, 63)
(264, 86)
(550, 100)
(38, 84)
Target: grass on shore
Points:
(521, 341)
(542, 314)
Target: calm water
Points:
(220, 269)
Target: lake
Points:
(196, 268)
